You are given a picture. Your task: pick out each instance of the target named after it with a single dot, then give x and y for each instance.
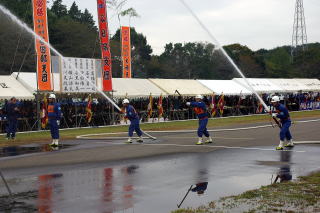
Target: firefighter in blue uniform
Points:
(200, 188)
(201, 111)
(54, 115)
(12, 112)
(282, 113)
(132, 115)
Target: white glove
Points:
(188, 103)
(58, 122)
(274, 115)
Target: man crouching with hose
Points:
(133, 116)
(283, 114)
(201, 111)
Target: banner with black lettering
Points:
(42, 50)
(126, 52)
(105, 46)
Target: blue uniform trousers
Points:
(285, 131)
(202, 130)
(135, 126)
(54, 128)
(12, 128)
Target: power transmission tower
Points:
(299, 35)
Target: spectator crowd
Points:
(174, 108)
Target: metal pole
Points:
(7, 186)
(112, 110)
(38, 110)
(185, 196)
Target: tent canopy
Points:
(134, 87)
(29, 80)
(10, 87)
(260, 85)
(227, 87)
(311, 84)
(289, 85)
(184, 87)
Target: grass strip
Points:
(44, 136)
(301, 195)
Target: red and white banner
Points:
(105, 46)
(43, 51)
(126, 52)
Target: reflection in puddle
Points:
(155, 184)
(284, 173)
(21, 150)
(47, 184)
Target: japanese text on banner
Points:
(126, 52)
(105, 47)
(81, 80)
(42, 50)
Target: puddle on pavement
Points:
(21, 150)
(159, 184)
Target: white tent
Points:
(10, 87)
(184, 87)
(312, 84)
(260, 85)
(134, 87)
(29, 80)
(289, 85)
(227, 87)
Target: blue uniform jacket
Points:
(54, 111)
(200, 187)
(131, 113)
(200, 109)
(283, 113)
(11, 112)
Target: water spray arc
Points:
(224, 53)
(24, 26)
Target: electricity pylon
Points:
(299, 35)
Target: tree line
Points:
(74, 33)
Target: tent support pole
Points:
(38, 111)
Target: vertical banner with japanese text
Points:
(42, 50)
(126, 52)
(105, 46)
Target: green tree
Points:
(59, 9)
(87, 18)
(140, 52)
(74, 12)
(73, 38)
(278, 62)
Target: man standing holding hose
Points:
(132, 115)
(201, 111)
(283, 114)
(54, 115)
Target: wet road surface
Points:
(156, 181)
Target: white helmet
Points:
(125, 101)
(53, 96)
(275, 99)
(199, 97)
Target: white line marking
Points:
(207, 146)
(192, 131)
(214, 146)
(306, 142)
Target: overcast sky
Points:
(255, 23)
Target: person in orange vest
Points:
(201, 111)
(54, 115)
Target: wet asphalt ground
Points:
(110, 176)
